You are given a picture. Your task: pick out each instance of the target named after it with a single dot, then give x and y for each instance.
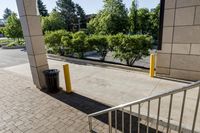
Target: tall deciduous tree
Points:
(72, 13)
(144, 20)
(112, 19)
(42, 8)
(53, 22)
(154, 20)
(81, 17)
(13, 27)
(7, 13)
(133, 17)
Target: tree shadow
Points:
(88, 106)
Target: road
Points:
(12, 57)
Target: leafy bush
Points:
(5, 41)
(78, 44)
(53, 41)
(53, 22)
(99, 44)
(13, 27)
(16, 43)
(130, 48)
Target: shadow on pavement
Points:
(89, 106)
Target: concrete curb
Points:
(17, 47)
(97, 63)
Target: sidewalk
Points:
(112, 87)
(25, 109)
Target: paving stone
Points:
(25, 109)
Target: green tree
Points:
(144, 20)
(42, 8)
(73, 14)
(133, 17)
(99, 44)
(7, 13)
(13, 27)
(53, 40)
(53, 22)
(81, 17)
(78, 44)
(154, 22)
(130, 48)
(112, 19)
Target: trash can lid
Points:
(51, 71)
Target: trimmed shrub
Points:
(99, 44)
(54, 42)
(130, 48)
(78, 44)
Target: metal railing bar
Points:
(110, 121)
(196, 111)
(158, 115)
(130, 120)
(182, 111)
(122, 120)
(147, 99)
(90, 123)
(115, 121)
(169, 113)
(148, 112)
(139, 118)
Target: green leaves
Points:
(99, 44)
(53, 22)
(13, 27)
(130, 48)
(112, 19)
(42, 8)
(73, 14)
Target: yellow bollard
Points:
(152, 65)
(67, 78)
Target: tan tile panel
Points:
(187, 34)
(169, 17)
(185, 62)
(184, 3)
(181, 48)
(167, 34)
(195, 49)
(182, 74)
(197, 17)
(160, 70)
(38, 60)
(37, 46)
(185, 16)
(166, 48)
(169, 4)
(163, 60)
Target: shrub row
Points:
(128, 48)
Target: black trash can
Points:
(52, 80)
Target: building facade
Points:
(179, 56)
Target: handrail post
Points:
(196, 111)
(90, 123)
(110, 121)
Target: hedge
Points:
(127, 48)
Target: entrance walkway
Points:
(25, 109)
(112, 87)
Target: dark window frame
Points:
(162, 11)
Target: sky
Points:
(90, 6)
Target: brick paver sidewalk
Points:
(23, 108)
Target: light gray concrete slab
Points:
(116, 86)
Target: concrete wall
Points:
(180, 54)
(32, 31)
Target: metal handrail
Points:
(148, 99)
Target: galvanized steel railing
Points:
(148, 101)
